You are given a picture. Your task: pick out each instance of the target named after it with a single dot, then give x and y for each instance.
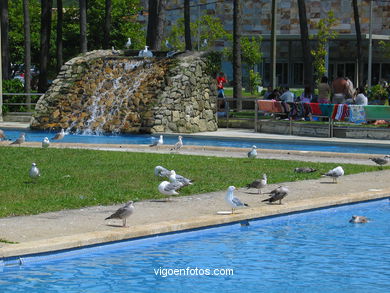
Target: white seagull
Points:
(128, 43)
(123, 213)
(335, 173)
(381, 161)
(45, 143)
(277, 194)
(161, 171)
(359, 219)
(258, 183)
(233, 201)
(34, 172)
(21, 139)
(178, 145)
(169, 188)
(60, 135)
(252, 154)
(169, 46)
(173, 177)
(158, 142)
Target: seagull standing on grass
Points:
(45, 143)
(173, 177)
(335, 173)
(161, 171)
(252, 154)
(258, 183)
(123, 213)
(381, 161)
(60, 135)
(169, 188)
(34, 172)
(233, 201)
(178, 145)
(158, 142)
(277, 194)
(21, 139)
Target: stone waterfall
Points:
(103, 92)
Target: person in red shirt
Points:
(221, 80)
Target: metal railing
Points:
(28, 105)
(230, 110)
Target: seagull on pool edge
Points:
(123, 213)
(233, 201)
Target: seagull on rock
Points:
(252, 154)
(258, 183)
(128, 43)
(21, 139)
(335, 173)
(60, 135)
(34, 172)
(123, 213)
(381, 161)
(45, 143)
(277, 194)
(158, 142)
(178, 145)
(233, 201)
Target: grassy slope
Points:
(76, 178)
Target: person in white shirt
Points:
(287, 96)
(361, 98)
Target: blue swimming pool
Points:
(317, 251)
(209, 141)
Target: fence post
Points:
(256, 114)
(290, 122)
(227, 107)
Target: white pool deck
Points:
(76, 228)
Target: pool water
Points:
(317, 251)
(209, 141)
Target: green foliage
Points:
(250, 50)
(385, 46)
(324, 34)
(377, 92)
(12, 86)
(213, 63)
(254, 80)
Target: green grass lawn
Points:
(73, 178)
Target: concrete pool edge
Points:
(81, 240)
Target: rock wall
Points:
(107, 92)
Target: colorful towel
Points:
(357, 114)
(315, 109)
(377, 112)
(265, 105)
(327, 109)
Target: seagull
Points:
(2, 134)
(359, 219)
(381, 161)
(169, 188)
(123, 213)
(161, 171)
(34, 171)
(173, 177)
(59, 135)
(304, 170)
(252, 154)
(113, 51)
(158, 142)
(21, 139)
(128, 43)
(178, 145)
(258, 183)
(277, 194)
(335, 173)
(169, 46)
(233, 201)
(45, 143)
(204, 44)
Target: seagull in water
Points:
(158, 142)
(128, 43)
(277, 194)
(34, 172)
(45, 143)
(335, 173)
(252, 154)
(258, 183)
(381, 161)
(123, 213)
(60, 135)
(178, 145)
(2, 134)
(233, 201)
(359, 219)
(21, 139)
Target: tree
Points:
(187, 25)
(237, 73)
(83, 26)
(107, 24)
(155, 24)
(46, 8)
(59, 44)
(27, 51)
(6, 70)
(325, 33)
(308, 63)
(358, 41)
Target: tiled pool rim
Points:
(17, 257)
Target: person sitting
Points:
(324, 91)
(268, 93)
(339, 88)
(361, 98)
(287, 96)
(307, 95)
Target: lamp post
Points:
(370, 48)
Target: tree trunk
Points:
(45, 44)
(155, 24)
(237, 68)
(358, 42)
(308, 60)
(59, 35)
(187, 23)
(27, 51)
(107, 24)
(273, 47)
(6, 68)
(83, 26)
